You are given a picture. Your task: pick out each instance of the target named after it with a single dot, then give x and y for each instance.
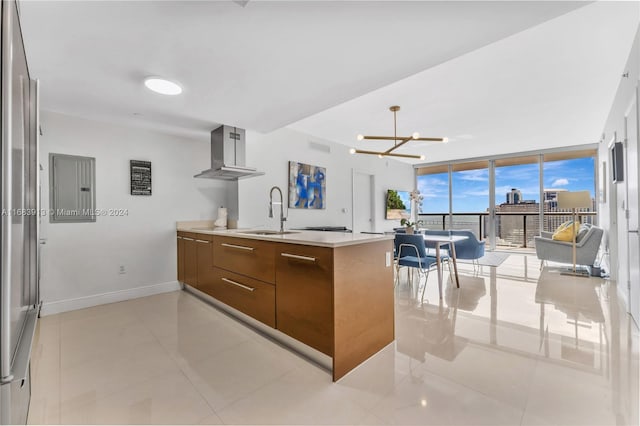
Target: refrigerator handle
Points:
(5, 218)
(5, 225)
(36, 240)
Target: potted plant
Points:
(410, 226)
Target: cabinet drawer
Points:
(244, 256)
(252, 297)
(195, 235)
(304, 295)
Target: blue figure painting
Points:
(307, 186)
(302, 181)
(315, 187)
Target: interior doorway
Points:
(362, 202)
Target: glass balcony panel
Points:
(517, 202)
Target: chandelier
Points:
(398, 141)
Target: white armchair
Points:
(587, 246)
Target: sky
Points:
(471, 187)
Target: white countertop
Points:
(308, 238)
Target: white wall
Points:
(272, 152)
(80, 262)
(612, 214)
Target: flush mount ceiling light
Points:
(162, 86)
(398, 141)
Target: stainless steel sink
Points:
(267, 232)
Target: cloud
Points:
(560, 182)
(431, 187)
(474, 175)
(433, 181)
(548, 165)
(480, 193)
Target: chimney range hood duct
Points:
(228, 156)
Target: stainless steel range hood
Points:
(228, 156)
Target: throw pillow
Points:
(584, 228)
(565, 231)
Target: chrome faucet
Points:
(271, 203)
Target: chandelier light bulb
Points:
(352, 151)
(445, 140)
(415, 135)
(360, 137)
(379, 155)
(422, 157)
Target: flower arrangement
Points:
(417, 198)
(410, 226)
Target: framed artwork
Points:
(140, 172)
(617, 162)
(307, 186)
(398, 205)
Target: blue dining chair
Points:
(411, 252)
(471, 248)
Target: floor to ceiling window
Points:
(470, 196)
(568, 171)
(517, 188)
(434, 187)
(460, 195)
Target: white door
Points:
(633, 214)
(362, 202)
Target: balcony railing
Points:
(513, 229)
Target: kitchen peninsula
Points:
(330, 291)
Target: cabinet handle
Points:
(295, 256)
(179, 237)
(237, 247)
(188, 239)
(227, 280)
(202, 241)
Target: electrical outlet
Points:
(388, 259)
(122, 270)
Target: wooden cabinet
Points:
(336, 300)
(180, 259)
(204, 264)
(190, 261)
(248, 257)
(250, 296)
(304, 294)
(363, 303)
(195, 259)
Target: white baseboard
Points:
(51, 308)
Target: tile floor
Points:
(512, 346)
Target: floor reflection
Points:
(429, 329)
(570, 337)
(579, 300)
(513, 346)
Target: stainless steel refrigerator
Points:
(19, 176)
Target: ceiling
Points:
(550, 86)
(336, 66)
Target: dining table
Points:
(439, 242)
